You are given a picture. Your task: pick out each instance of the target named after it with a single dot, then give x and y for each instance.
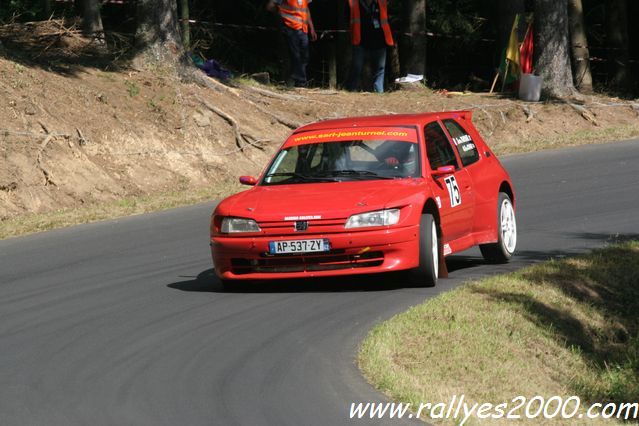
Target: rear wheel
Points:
(503, 249)
(426, 273)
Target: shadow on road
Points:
(469, 266)
(207, 281)
(587, 242)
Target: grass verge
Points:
(36, 222)
(564, 327)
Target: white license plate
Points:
(299, 246)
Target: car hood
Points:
(320, 200)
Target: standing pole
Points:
(186, 31)
(503, 83)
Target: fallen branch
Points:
(43, 146)
(7, 132)
(47, 177)
(240, 138)
(530, 114)
(64, 31)
(290, 124)
(216, 85)
(284, 121)
(44, 127)
(257, 143)
(191, 74)
(584, 113)
(82, 140)
(272, 94)
(162, 152)
(477, 106)
(324, 92)
(198, 77)
(490, 120)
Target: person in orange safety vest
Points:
(297, 27)
(370, 35)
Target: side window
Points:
(438, 149)
(464, 143)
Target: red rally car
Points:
(366, 195)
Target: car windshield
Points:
(344, 161)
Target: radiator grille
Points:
(307, 263)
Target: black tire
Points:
(234, 286)
(227, 285)
(237, 286)
(503, 249)
(426, 273)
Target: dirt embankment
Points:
(79, 134)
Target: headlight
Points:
(378, 218)
(235, 224)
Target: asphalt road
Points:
(121, 323)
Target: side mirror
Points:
(248, 180)
(443, 171)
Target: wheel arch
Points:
(506, 188)
(430, 207)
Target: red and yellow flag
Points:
(512, 50)
(526, 52)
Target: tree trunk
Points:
(617, 31)
(633, 47)
(332, 63)
(92, 20)
(393, 66)
(47, 8)
(184, 19)
(579, 43)
(157, 36)
(414, 46)
(552, 49)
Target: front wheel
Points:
(426, 273)
(503, 249)
(233, 286)
(227, 285)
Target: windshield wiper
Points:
(358, 173)
(300, 177)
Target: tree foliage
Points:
(457, 18)
(23, 10)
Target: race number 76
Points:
(453, 191)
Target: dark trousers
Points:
(377, 60)
(297, 41)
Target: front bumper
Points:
(360, 252)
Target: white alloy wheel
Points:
(435, 249)
(508, 226)
(503, 249)
(426, 274)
